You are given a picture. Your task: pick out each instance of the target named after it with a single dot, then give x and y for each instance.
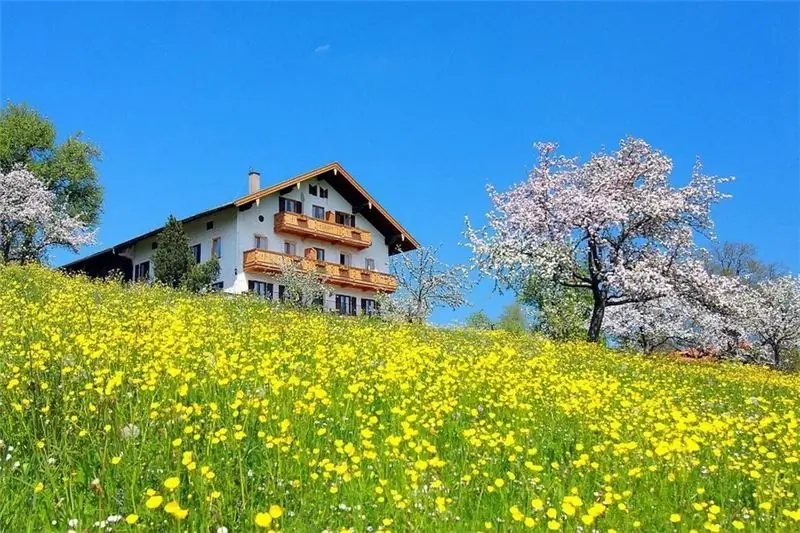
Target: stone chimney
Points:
(254, 181)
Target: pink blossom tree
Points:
(613, 225)
(32, 221)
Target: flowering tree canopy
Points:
(772, 315)
(31, 219)
(613, 225)
(304, 287)
(424, 283)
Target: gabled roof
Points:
(338, 178)
(354, 193)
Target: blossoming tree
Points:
(425, 283)
(32, 220)
(613, 225)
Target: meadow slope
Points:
(146, 408)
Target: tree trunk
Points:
(776, 353)
(598, 310)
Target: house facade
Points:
(323, 221)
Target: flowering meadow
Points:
(140, 407)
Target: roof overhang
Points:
(396, 237)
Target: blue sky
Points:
(423, 103)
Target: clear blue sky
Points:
(423, 103)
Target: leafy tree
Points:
(31, 219)
(612, 226)
(739, 260)
(560, 312)
(174, 263)
(425, 283)
(479, 320)
(173, 257)
(67, 169)
(513, 319)
(201, 275)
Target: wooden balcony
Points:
(324, 230)
(267, 262)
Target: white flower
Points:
(222, 529)
(129, 431)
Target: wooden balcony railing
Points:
(324, 230)
(268, 262)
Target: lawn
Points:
(138, 407)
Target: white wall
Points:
(329, 299)
(196, 232)
(238, 229)
(249, 226)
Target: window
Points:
(345, 259)
(216, 287)
(141, 272)
(196, 252)
(154, 245)
(323, 193)
(282, 292)
(320, 254)
(345, 218)
(260, 242)
(317, 211)
(346, 305)
(216, 247)
(369, 263)
(210, 225)
(369, 307)
(312, 189)
(261, 288)
(289, 248)
(287, 204)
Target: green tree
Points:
(561, 313)
(175, 265)
(66, 168)
(201, 275)
(479, 320)
(173, 257)
(513, 319)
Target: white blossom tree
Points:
(425, 283)
(32, 221)
(304, 286)
(772, 316)
(612, 225)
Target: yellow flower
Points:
(738, 524)
(275, 511)
(537, 504)
(553, 525)
(263, 520)
(674, 518)
(38, 488)
(172, 483)
(116, 460)
(499, 482)
(153, 502)
(131, 519)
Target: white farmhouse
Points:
(323, 220)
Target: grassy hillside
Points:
(148, 408)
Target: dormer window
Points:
(312, 190)
(323, 193)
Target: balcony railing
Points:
(268, 262)
(324, 230)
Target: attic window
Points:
(154, 245)
(323, 193)
(210, 224)
(312, 190)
